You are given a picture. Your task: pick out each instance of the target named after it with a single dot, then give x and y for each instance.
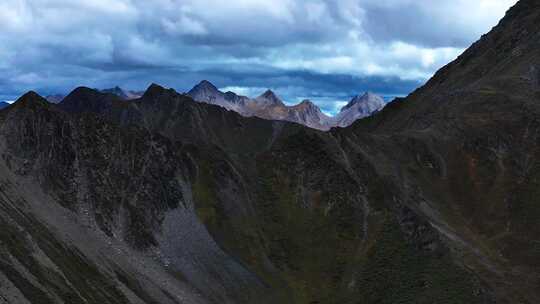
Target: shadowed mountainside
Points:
(165, 200)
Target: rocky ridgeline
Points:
(269, 106)
(161, 199)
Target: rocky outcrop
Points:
(207, 92)
(269, 106)
(359, 107)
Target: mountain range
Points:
(163, 199)
(270, 106)
(118, 91)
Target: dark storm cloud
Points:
(431, 23)
(320, 49)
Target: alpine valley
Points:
(163, 197)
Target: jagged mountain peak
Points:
(154, 90)
(307, 104)
(269, 98)
(269, 94)
(365, 98)
(206, 92)
(206, 83)
(203, 86)
(360, 106)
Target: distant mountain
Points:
(309, 114)
(359, 107)
(3, 104)
(56, 98)
(124, 94)
(118, 91)
(269, 99)
(208, 93)
(269, 106)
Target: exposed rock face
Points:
(207, 92)
(269, 99)
(359, 107)
(308, 114)
(162, 199)
(269, 106)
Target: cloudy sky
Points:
(325, 50)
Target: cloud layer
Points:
(322, 49)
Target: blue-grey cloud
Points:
(320, 49)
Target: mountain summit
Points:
(269, 106)
(269, 99)
(359, 107)
(206, 92)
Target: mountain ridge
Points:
(433, 199)
(269, 106)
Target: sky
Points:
(324, 50)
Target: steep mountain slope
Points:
(124, 188)
(290, 208)
(166, 200)
(476, 123)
